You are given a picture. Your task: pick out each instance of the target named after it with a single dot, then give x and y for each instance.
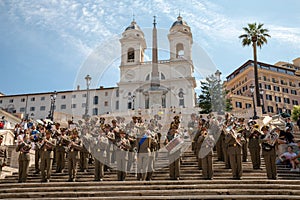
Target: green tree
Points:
(204, 99)
(257, 36)
(296, 113)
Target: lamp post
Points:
(52, 105)
(254, 107)
(219, 92)
(261, 92)
(88, 82)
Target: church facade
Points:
(157, 83)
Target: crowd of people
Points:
(133, 147)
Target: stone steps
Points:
(254, 184)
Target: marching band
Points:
(134, 147)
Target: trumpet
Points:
(237, 136)
(23, 147)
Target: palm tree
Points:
(257, 36)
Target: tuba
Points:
(271, 138)
(237, 136)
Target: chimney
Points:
(78, 87)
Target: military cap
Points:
(1, 136)
(265, 128)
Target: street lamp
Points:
(52, 105)
(254, 108)
(88, 82)
(261, 92)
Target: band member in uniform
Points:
(47, 147)
(198, 142)
(206, 143)
(254, 145)
(220, 140)
(73, 155)
(24, 146)
(60, 151)
(123, 145)
(242, 127)
(100, 155)
(174, 158)
(3, 154)
(234, 143)
(269, 142)
(153, 150)
(143, 153)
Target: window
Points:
(42, 108)
(181, 102)
(83, 95)
(286, 100)
(32, 108)
(22, 109)
(1, 101)
(73, 105)
(130, 55)
(64, 106)
(148, 77)
(117, 93)
(129, 105)
(32, 99)
(105, 103)
(63, 97)
(277, 99)
(95, 111)
(42, 98)
(106, 94)
(95, 100)
(295, 102)
(268, 87)
(270, 109)
(294, 92)
(162, 76)
(238, 104)
(23, 100)
(83, 105)
(276, 88)
(117, 105)
(11, 100)
(268, 97)
(285, 90)
(265, 78)
(248, 105)
(73, 96)
(179, 50)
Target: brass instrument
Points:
(271, 138)
(49, 145)
(237, 136)
(23, 146)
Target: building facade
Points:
(279, 86)
(174, 80)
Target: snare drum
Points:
(174, 144)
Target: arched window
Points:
(130, 55)
(179, 50)
(181, 97)
(162, 76)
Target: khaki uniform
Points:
(197, 147)
(47, 156)
(83, 160)
(60, 150)
(143, 154)
(24, 158)
(254, 149)
(100, 156)
(270, 162)
(234, 152)
(205, 154)
(123, 145)
(73, 158)
(154, 147)
(3, 157)
(174, 161)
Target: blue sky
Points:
(48, 45)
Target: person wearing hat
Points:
(3, 154)
(254, 145)
(174, 158)
(60, 150)
(24, 146)
(47, 155)
(269, 151)
(123, 145)
(111, 137)
(73, 155)
(100, 155)
(234, 144)
(143, 144)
